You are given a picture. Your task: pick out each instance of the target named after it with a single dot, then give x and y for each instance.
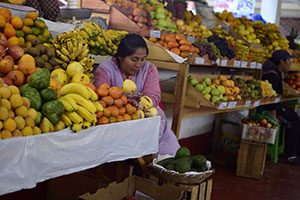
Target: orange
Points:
(32, 15)
(13, 41)
(28, 22)
(2, 21)
(5, 13)
(9, 32)
(16, 22)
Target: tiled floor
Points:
(280, 182)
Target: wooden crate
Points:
(288, 90)
(200, 191)
(96, 5)
(251, 159)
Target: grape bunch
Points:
(225, 49)
(208, 48)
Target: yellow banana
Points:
(85, 114)
(83, 54)
(65, 51)
(86, 124)
(59, 126)
(98, 106)
(83, 61)
(146, 102)
(66, 120)
(83, 102)
(62, 56)
(68, 107)
(76, 88)
(57, 46)
(74, 117)
(140, 113)
(70, 46)
(79, 48)
(151, 112)
(70, 101)
(59, 61)
(93, 95)
(72, 56)
(76, 127)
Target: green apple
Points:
(193, 81)
(207, 96)
(199, 87)
(207, 81)
(215, 92)
(206, 90)
(221, 88)
(214, 99)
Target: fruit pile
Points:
(16, 116)
(177, 43)
(185, 162)
(293, 79)
(250, 89)
(81, 104)
(218, 89)
(225, 49)
(207, 48)
(258, 55)
(267, 89)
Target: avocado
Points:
(198, 160)
(202, 168)
(39, 62)
(170, 166)
(42, 48)
(45, 57)
(186, 159)
(35, 52)
(164, 162)
(182, 152)
(182, 166)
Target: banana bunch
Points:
(146, 104)
(267, 89)
(259, 55)
(81, 104)
(101, 42)
(70, 47)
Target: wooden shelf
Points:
(191, 112)
(295, 67)
(229, 67)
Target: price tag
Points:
(237, 63)
(218, 61)
(244, 64)
(253, 65)
(231, 104)
(256, 103)
(247, 103)
(277, 100)
(155, 33)
(191, 39)
(199, 60)
(224, 63)
(258, 65)
(222, 106)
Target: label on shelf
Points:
(155, 33)
(222, 106)
(218, 62)
(231, 104)
(199, 60)
(191, 39)
(237, 63)
(258, 65)
(224, 63)
(277, 100)
(256, 103)
(247, 103)
(244, 64)
(253, 65)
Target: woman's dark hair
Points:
(129, 44)
(279, 55)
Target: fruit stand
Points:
(46, 86)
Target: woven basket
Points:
(175, 177)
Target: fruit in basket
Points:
(128, 86)
(182, 152)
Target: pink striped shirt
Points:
(151, 85)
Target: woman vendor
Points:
(130, 63)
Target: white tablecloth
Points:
(25, 161)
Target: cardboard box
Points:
(259, 134)
(132, 184)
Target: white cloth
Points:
(26, 161)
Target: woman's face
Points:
(133, 63)
(284, 65)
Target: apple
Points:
(199, 87)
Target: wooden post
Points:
(180, 92)
(217, 135)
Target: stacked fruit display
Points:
(207, 48)
(218, 89)
(81, 104)
(16, 116)
(185, 162)
(250, 89)
(267, 89)
(270, 36)
(44, 100)
(293, 79)
(177, 43)
(225, 49)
